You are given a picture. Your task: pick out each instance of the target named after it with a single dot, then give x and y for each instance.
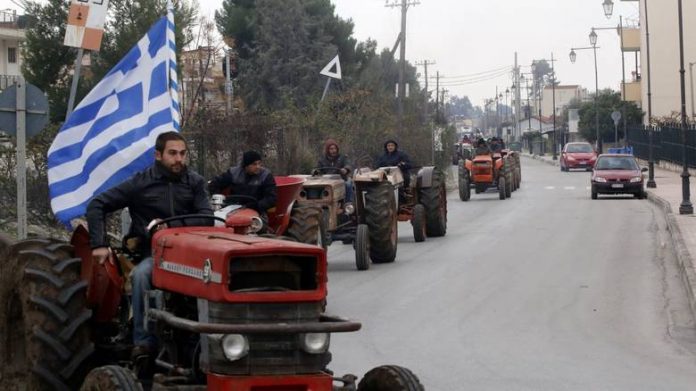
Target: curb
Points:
(685, 262)
(541, 159)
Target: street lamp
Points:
(573, 57)
(685, 208)
(608, 6)
(593, 37)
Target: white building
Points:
(664, 56)
(564, 95)
(11, 35)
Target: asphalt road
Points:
(548, 290)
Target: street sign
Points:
(616, 116)
(36, 110)
(85, 26)
(327, 71)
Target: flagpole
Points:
(76, 78)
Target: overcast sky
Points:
(465, 37)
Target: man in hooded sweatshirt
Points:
(250, 179)
(393, 157)
(333, 158)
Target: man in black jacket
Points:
(250, 179)
(332, 158)
(166, 189)
(392, 157)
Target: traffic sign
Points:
(36, 110)
(327, 71)
(616, 116)
(85, 26)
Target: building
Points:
(11, 36)
(664, 57)
(203, 80)
(564, 95)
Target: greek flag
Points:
(111, 134)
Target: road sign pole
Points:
(21, 160)
(326, 88)
(76, 78)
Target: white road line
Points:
(550, 187)
(588, 188)
(569, 188)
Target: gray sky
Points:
(467, 37)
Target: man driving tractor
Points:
(332, 160)
(393, 157)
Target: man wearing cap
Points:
(251, 179)
(394, 157)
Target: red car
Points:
(578, 155)
(617, 174)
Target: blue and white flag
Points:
(111, 134)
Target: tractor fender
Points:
(468, 165)
(499, 164)
(425, 177)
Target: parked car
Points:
(578, 155)
(617, 174)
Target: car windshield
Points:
(579, 148)
(616, 163)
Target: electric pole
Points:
(404, 4)
(437, 97)
(425, 64)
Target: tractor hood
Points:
(218, 265)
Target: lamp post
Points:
(573, 57)
(691, 83)
(608, 9)
(685, 208)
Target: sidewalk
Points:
(682, 228)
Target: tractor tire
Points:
(111, 378)
(518, 175)
(434, 199)
(44, 326)
(390, 378)
(501, 188)
(418, 223)
(306, 226)
(362, 247)
(508, 182)
(381, 218)
(464, 186)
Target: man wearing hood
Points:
(250, 179)
(392, 157)
(332, 158)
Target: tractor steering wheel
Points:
(183, 219)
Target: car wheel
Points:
(594, 194)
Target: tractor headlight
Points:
(315, 343)
(349, 208)
(256, 225)
(234, 346)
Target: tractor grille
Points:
(268, 354)
(273, 273)
(314, 193)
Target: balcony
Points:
(631, 39)
(633, 92)
(7, 80)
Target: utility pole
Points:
(404, 4)
(518, 104)
(437, 97)
(425, 64)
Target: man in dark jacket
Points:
(166, 189)
(332, 158)
(392, 157)
(250, 179)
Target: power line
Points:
(472, 75)
(475, 80)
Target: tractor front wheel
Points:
(362, 247)
(464, 186)
(390, 378)
(44, 326)
(382, 223)
(111, 378)
(434, 199)
(501, 188)
(418, 223)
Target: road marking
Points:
(569, 188)
(550, 187)
(588, 188)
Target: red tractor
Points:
(484, 171)
(231, 311)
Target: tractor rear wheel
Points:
(382, 223)
(434, 199)
(44, 326)
(111, 378)
(390, 378)
(306, 225)
(508, 181)
(418, 223)
(464, 185)
(362, 247)
(501, 188)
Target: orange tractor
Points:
(485, 171)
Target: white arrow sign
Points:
(327, 69)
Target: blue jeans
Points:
(142, 283)
(349, 190)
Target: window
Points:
(12, 55)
